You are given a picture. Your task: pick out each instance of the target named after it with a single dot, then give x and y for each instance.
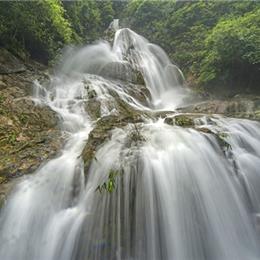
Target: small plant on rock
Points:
(109, 185)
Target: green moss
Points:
(183, 121)
(3, 179)
(11, 138)
(2, 98)
(24, 118)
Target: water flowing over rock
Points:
(122, 71)
(29, 134)
(109, 33)
(136, 179)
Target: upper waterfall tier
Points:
(131, 58)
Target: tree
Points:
(233, 51)
(38, 28)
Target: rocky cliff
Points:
(29, 134)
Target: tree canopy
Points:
(41, 28)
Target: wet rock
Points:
(9, 63)
(110, 32)
(140, 92)
(6, 188)
(184, 121)
(122, 71)
(2, 85)
(135, 137)
(114, 104)
(169, 121)
(180, 120)
(28, 133)
(239, 106)
(92, 105)
(93, 108)
(204, 130)
(102, 132)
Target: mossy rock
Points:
(122, 71)
(135, 138)
(102, 132)
(28, 133)
(93, 108)
(220, 137)
(238, 107)
(2, 179)
(138, 91)
(9, 63)
(184, 121)
(180, 120)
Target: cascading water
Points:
(131, 51)
(153, 191)
(163, 79)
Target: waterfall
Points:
(163, 78)
(153, 191)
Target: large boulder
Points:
(122, 71)
(102, 132)
(182, 120)
(239, 107)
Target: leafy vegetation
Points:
(216, 43)
(233, 48)
(110, 184)
(40, 28)
(36, 27)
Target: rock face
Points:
(239, 106)
(9, 63)
(122, 71)
(180, 120)
(28, 133)
(103, 128)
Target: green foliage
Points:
(233, 49)
(184, 121)
(84, 17)
(41, 28)
(148, 17)
(110, 184)
(214, 42)
(89, 18)
(106, 13)
(37, 27)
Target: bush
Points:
(37, 27)
(232, 52)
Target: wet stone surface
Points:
(29, 134)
